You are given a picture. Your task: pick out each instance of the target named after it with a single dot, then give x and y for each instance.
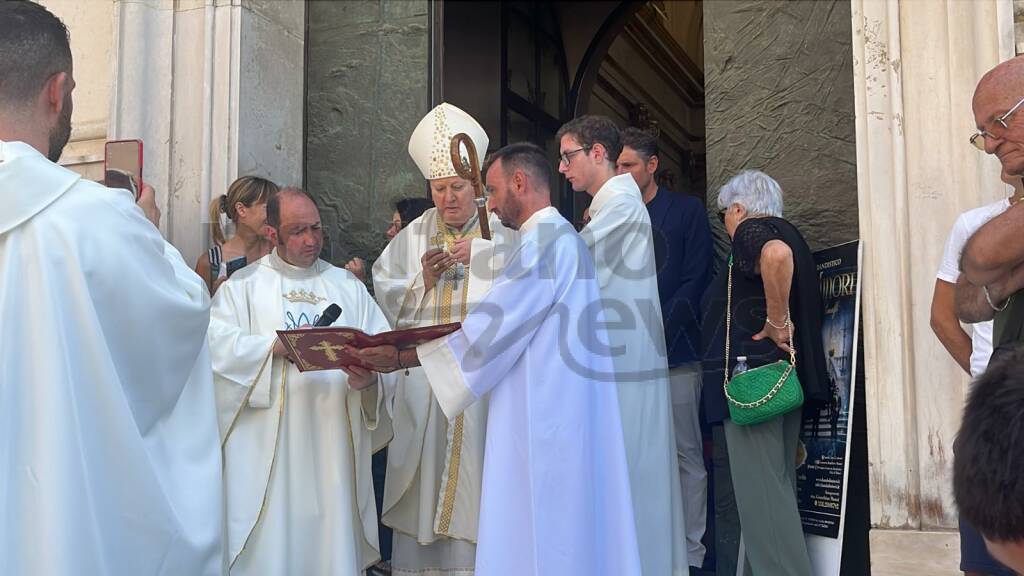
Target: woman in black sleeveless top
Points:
(774, 286)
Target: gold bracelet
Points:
(785, 322)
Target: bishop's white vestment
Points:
(296, 445)
(432, 488)
(619, 239)
(109, 463)
(555, 485)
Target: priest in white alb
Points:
(556, 494)
(109, 463)
(433, 272)
(619, 239)
(296, 445)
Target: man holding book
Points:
(298, 490)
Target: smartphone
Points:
(122, 165)
(235, 265)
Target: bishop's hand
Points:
(435, 261)
(461, 250)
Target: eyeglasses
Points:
(721, 214)
(567, 156)
(978, 138)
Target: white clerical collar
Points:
(291, 271)
(536, 218)
(621, 184)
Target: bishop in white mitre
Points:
(296, 445)
(109, 459)
(556, 496)
(619, 239)
(432, 488)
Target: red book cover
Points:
(328, 348)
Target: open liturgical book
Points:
(328, 348)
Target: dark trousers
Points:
(378, 469)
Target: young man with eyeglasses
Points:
(619, 239)
(992, 261)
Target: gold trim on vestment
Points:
(445, 316)
(448, 506)
(273, 464)
(245, 400)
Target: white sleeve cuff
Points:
(445, 377)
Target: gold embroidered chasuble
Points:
(296, 446)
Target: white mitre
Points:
(430, 144)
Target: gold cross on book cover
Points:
(329, 348)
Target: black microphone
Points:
(330, 314)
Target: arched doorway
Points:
(645, 68)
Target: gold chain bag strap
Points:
(763, 393)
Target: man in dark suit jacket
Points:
(683, 256)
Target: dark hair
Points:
(274, 203)
(645, 143)
(989, 451)
(589, 130)
(524, 156)
(410, 209)
(33, 47)
(249, 190)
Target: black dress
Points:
(748, 315)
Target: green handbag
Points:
(765, 392)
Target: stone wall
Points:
(270, 96)
(779, 98)
(1018, 26)
(367, 88)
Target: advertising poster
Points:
(824, 450)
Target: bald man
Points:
(993, 258)
(992, 262)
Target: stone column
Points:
(214, 88)
(915, 68)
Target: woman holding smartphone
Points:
(245, 204)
